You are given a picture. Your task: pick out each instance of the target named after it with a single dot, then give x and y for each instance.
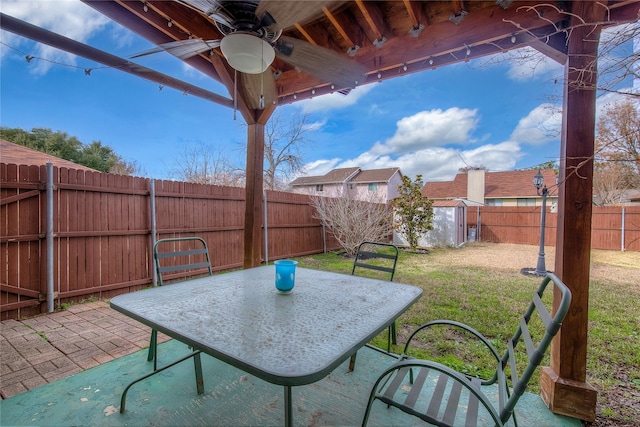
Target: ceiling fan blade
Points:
(251, 86)
(211, 8)
(183, 49)
(320, 62)
(287, 13)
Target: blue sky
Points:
(497, 112)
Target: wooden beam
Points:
(415, 12)
(375, 18)
(563, 384)
(555, 46)
(305, 34)
(253, 192)
(343, 23)
(41, 35)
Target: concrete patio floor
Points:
(70, 368)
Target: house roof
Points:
(497, 185)
(339, 176)
(334, 176)
(376, 175)
(21, 155)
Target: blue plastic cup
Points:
(285, 275)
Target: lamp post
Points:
(541, 190)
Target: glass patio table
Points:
(289, 340)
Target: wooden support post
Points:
(253, 195)
(563, 385)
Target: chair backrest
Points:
(536, 330)
(369, 254)
(188, 255)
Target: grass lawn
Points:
(481, 285)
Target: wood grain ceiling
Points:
(388, 38)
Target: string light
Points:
(145, 7)
(379, 75)
(513, 38)
(313, 91)
(430, 61)
(404, 67)
(170, 23)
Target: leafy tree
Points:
(551, 164)
(413, 211)
(95, 155)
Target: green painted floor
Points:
(231, 398)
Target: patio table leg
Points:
(288, 411)
(199, 386)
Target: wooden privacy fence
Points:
(612, 227)
(103, 230)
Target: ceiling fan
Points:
(252, 39)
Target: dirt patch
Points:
(605, 265)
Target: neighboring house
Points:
(21, 155)
(381, 184)
(513, 188)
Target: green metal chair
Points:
(442, 396)
(187, 255)
(381, 257)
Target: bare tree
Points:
(617, 162)
(353, 221)
(200, 164)
(284, 138)
(124, 167)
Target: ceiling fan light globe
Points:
(246, 53)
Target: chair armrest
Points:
(462, 326)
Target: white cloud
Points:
(527, 63)
(430, 128)
(334, 101)
(433, 163)
(72, 19)
(542, 125)
(319, 167)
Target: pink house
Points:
(372, 184)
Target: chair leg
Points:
(392, 337)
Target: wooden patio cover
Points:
(362, 42)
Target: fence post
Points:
(622, 234)
(49, 213)
(266, 227)
(152, 210)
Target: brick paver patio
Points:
(46, 348)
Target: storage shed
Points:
(449, 225)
